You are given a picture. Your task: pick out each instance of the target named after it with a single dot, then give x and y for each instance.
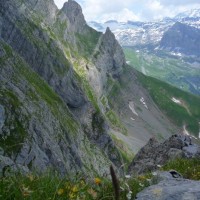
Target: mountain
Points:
(181, 38)
(159, 47)
(50, 116)
(68, 100)
(147, 33)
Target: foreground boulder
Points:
(154, 154)
(171, 186)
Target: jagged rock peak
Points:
(74, 12)
(108, 31)
(115, 49)
(109, 34)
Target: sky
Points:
(133, 10)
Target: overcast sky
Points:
(140, 10)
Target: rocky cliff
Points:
(155, 154)
(49, 116)
(68, 101)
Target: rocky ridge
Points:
(47, 118)
(66, 93)
(155, 154)
(166, 184)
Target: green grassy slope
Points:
(187, 113)
(171, 70)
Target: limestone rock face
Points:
(2, 117)
(46, 117)
(171, 188)
(108, 57)
(75, 17)
(155, 153)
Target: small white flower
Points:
(129, 195)
(127, 176)
(154, 173)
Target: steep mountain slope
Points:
(68, 101)
(181, 38)
(166, 67)
(49, 116)
(167, 49)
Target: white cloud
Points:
(122, 16)
(59, 3)
(123, 10)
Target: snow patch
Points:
(132, 108)
(176, 53)
(185, 131)
(143, 102)
(176, 100)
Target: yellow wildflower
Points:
(141, 178)
(60, 191)
(97, 181)
(75, 189)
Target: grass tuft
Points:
(189, 168)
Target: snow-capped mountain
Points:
(146, 34)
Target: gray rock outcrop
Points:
(76, 20)
(2, 117)
(155, 153)
(171, 188)
(109, 59)
(46, 117)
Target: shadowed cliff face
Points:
(182, 38)
(47, 116)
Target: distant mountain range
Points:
(167, 49)
(147, 34)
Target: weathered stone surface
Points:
(2, 117)
(49, 119)
(109, 59)
(170, 188)
(75, 18)
(155, 153)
